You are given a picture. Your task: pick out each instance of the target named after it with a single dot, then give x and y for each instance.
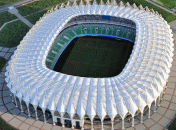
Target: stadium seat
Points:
(64, 38)
(52, 53)
(55, 49)
(69, 33)
(133, 36)
(109, 31)
(50, 58)
(103, 30)
(84, 29)
(114, 31)
(96, 29)
(130, 35)
(60, 42)
(88, 29)
(77, 29)
(119, 31)
(48, 64)
(57, 46)
(124, 35)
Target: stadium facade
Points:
(140, 85)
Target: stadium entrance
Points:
(94, 56)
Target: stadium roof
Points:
(139, 84)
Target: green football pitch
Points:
(93, 56)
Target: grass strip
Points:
(37, 5)
(166, 15)
(35, 17)
(2, 63)
(4, 2)
(13, 33)
(173, 125)
(5, 17)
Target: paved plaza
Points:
(13, 116)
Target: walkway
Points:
(14, 11)
(12, 115)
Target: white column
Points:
(102, 125)
(92, 125)
(72, 123)
(123, 123)
(52, 112)
(112, 124)
(132, 121)
(44, 115)
(158, 103)
(12, 98)
(149, 113)
(161, 95)
(53, 119)
(21, 105)
(154, 109)
(15, 101)
(82, 123)
(141, 117)
(62, 119)
(36, 117)
(27, 104)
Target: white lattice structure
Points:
(141, 82)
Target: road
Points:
(160, 6)
(16, 4)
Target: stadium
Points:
(93, 66)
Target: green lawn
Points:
(88, 56)
(5, 17)
(13, 33)
(4, 126)
(166, 15)
(4, 2)
(173, 125)
(35, 17)
(168, 3)
(2, 63)
(37, 5)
